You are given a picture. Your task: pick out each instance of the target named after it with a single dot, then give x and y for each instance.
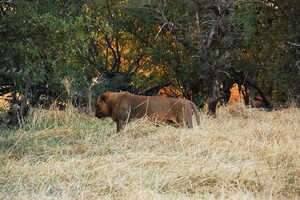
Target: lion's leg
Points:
(185, 117)
(120, 125)
(189, 120)
(180, 120)
(189, 115)
(123, 117)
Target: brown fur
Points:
(123, 107)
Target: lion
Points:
(124, 107)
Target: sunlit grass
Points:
(241, 154)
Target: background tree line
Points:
(53, 50)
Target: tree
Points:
(201, 47)
(36, 47)
(264, 60)
(200, 40)
(119, 47)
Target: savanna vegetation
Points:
(57, 50)
(241, 154)
(57, 56)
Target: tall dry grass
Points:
(241, 154)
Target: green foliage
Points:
(38, 42)
(45, 43)
(264, 51)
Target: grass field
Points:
(241, 154)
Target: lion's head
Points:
(103, 108)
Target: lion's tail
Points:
(196, 113)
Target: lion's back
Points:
(141, 105)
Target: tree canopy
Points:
(56, 49)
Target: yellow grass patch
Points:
(241, 154)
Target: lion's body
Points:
(123, 107)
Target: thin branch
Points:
(294, 44)
(211, 35)
(135, 63)
(161, 28)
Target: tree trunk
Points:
(225, 91)
(245, 93)
(213, 99)
(265, 101)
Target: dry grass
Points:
(241, 154)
